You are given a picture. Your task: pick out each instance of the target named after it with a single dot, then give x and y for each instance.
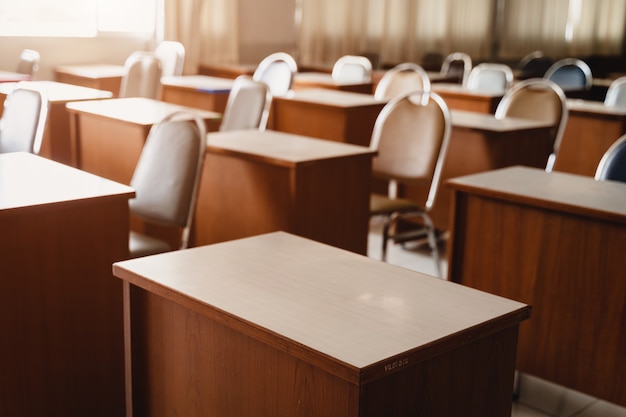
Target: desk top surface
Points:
(556, 190)
(488, 122)
(323, 78)
(28, 180)
(334, 98)
(281, 148)
(137, 110)
(459, 90)
(58, 92)
(94, 71)
(345, 306)
(202, 83)
(594, 107)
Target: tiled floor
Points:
(537, 398)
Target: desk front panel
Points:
(184, 96)
(100, 77)
(460, 98)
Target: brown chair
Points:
(23, 121)
(142, 77)
(166, 181)
(411, 137)
(401, 79)
(537, 99)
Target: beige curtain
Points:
(207, 28)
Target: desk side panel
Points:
(569, 268)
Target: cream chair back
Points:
(401, 79)
(23, 121)
(277, 71)
(142, 77)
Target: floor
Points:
(537, 398)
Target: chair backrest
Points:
(29, 63)
(352, 69)
(277, 71)
(534, 64)
(23, 121)
(247, 106)
(172, 56)
(612, 166)
(142, 77)
(411, 136)
(490, 77)
(537, 99)
(616, 94)
(167, 174)
(401, 79)
(571, 74)
(457, 64)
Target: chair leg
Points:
(432, 242)
(385, 236)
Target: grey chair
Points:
(277, 71)
(142, 76)
(247, 106)
(537, 99)
(490, 77)
(166, 181)
(411, 137)
(616, 93)
(29, 63)
(352, 69)
(172, 57)
(457, 64)
(533, 65)
(571, 74)
(401, 79)
(612, 166)
(23, 121)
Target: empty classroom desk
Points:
(99, 76)
(257, 182)
(278, 325)
(198, 91)
(62, 352)
(555, 241)
(327, 114)
(226, 70)
(591, 129)
(56, 143)
(303, 80)
(461, 98)
(108, 135)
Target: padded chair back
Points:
(29, 63)
(352, 69)
(490, 77)
(534, 64)
(537, 99)
(612, 166)
(167, 174)
(142, 77)
(402, 78)
(616, 94)
(247, 106)
(172, 57)
(23, 121)
(457, 64)
(570, 74)
(411, 137)
(277, 71)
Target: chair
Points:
(401, 79)
(29, 63)
(612, 166)
(277, 71)
(166, 180)
(457, 64)
(142, 77)
(352, 69)
(172, 56)
(534, 64)
(537, 99)
(490, 77)
(247, 106)
(616, 94)
(411, 137)
(23, 121)
(570, 74)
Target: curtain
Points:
(207, 28)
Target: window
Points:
(76, 17)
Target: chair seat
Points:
(381, 204)
(142, 245)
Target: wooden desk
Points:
(258, 182)
(555, 241)
(198, 91)
(335, 115)
(591, 129)
(226, 70)
(56, 143)
(62, 352)
(304, 80)
(277, 325)
(108, 135)
(461, 98)
(98, 76)
(480, 142)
